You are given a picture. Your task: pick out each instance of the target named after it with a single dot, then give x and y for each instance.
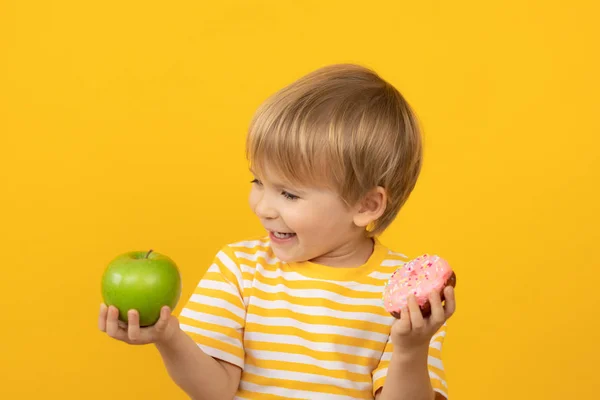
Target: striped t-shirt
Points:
(299, 330)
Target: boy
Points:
(297, 314)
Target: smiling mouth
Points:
(283, 235)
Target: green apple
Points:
(142, 281)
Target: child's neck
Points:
(353, 253)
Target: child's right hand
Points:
(132, 333)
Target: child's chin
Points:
(285, 256)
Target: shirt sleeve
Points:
(434, 364)
(214, 316)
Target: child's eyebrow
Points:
(281, 185)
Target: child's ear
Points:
(371, 207)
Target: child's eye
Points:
(256, 181)
(289, 196)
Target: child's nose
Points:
(264, 209)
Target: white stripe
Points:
(291, 276)
(214, 268)
(255, 256)
(435, 362)
(436, 345)
(316, 346)
(247, 269)
(250, 244)
(209, 318)
(392, 263)
(386, 356)
(231, 266)
(222, 355)
(396, 254)
(218, 302)
(304, 359)
(380, 275)
(304, 378)
(379, 374)
(322, 311)
(438, 335)
(433, 375)
(317, 328)
(295, 276)
(317, 294)
(224, 286)
(440, 391)
(291, 393)
(211, 334)
(221, 284)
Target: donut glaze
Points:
(419, 277)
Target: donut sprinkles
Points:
(419, 277)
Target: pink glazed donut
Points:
(420, 277)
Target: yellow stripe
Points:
(315, 302)
(367, 280)
(233, 299)
(259, 396)
(435, 353)
(382, 365)
(315, 337)
(319, 355)
(437, 371)
(225, 330)
(247, 275)
(217, 344)
(311, 284)
(436, 384)
(217, 311)
(308, 369)
(320, 320)
(307, 386)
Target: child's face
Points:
(304, 223)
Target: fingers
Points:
(450, 301)
(403, 325)
(131, 332)
(416, 317)
(133, 325)
(102, 317)
(437, 309)
(112, 325)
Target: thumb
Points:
(161, 327)
(163, 321)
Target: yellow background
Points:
(122, 126)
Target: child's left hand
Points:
(412, 332)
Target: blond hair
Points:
(343, 127)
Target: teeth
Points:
(281, 235)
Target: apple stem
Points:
(148, 254)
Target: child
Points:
(297, 314)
